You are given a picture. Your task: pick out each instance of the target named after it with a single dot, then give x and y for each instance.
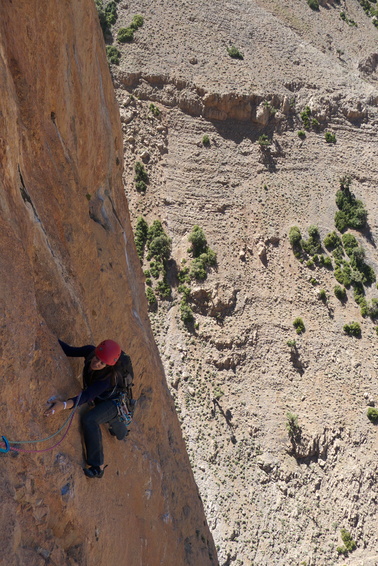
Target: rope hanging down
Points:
(8, 443)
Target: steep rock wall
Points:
(69, 270)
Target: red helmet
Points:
(108, 352)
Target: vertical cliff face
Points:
(69, 270)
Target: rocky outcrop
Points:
(70, 270)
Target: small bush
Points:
(186, 312)
(125, 35)
(264, 141)
(313, 245)
(198, 240)
(206, 140)
(372, 414)
(198, 269)
(184, 290)
(352, 329)
(373, 309)
(314, 281)
(291, 343)
(140, 172)
(295, 237)
(183, 275)
(137, 22)
(314, 5)
(163, 289)
(349, 543)
(150, 296)
(113, 55)
(322, 295)
(329, 137)
(343, 274)
(154, 110)
(340, 293)
(305, 116)
(160, 247)
(332, 241)
(111, 13)
(350, 243)
(351, 213)
(292, 427)
(140, 237)
(234, 52)
(299, 325)
(301, 134)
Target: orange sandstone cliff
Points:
(69, 270)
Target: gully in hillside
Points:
(107, 379)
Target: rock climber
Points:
(101, 378)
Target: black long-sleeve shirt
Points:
(102, 386)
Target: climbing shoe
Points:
(94, 472)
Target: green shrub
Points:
(352, 329)
(292, 427)
(186, 312)
(373, 309)
(349, 243)
(314, 4)
(154, 109)
(372, 414)
(340, 293)
(301, 134)
(291, 343)
(156, 229)
(322, 295)
(351, 213)
(305, 116)
(349, 543)
(137, 22)
(198, 269)
(163, 289)
(314, 281)
(234, 52)
(332, 241)
(140, 172)
(150, 296)
(160, 247)
(140, 237)
(113, 55)
(140, 186)
(313, 245)
(329, 137)
(343, 274)
(184, 290)
(264, 141)
(299, 325)
(198, 240)
(325, 261)
(125, 35)
(111, 13)
(295, 237)
(183, 275)
(206, 140)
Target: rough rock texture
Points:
(69, 270)
(233, 374)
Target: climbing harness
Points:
(8, 443)
(124, 414)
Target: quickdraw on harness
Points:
(68, 421)
(122, 403)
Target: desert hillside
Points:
(246, 148)
(69, 270)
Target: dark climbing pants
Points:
(103, 412)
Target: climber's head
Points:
(106, 354)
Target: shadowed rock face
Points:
(69, 270)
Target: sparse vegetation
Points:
(353, 329)
(234, 52)
(154, 110)
(351, 213)
(349, 543)
(140, 237)
(372, 414)
(314, 5)
(264, 141)
(340, 293)
(330, 137)
(322, 295)
(301, 134)
(292, 427)
(137, 22)
(204, 257)
(313, 245)
(113, 55)
(125, 35)
(141, 177)
(150, 296)
(299, 325)
(305, 116)
(206, 140)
